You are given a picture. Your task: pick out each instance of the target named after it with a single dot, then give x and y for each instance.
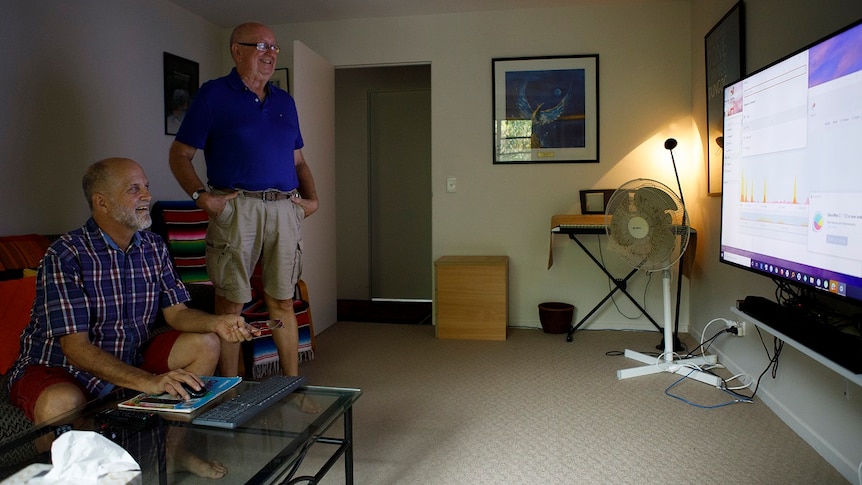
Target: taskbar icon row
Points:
(832, 286)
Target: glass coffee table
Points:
(269, 448)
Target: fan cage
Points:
(648, 225)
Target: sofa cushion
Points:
(20, 252)
(16, 300)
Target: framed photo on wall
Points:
(180, 84)
(725, 51)
(546, 109)
(595, 201)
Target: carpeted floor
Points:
(536, 409)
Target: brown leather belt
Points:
(265, 195)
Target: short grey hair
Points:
(97, 178)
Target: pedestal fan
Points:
(648, 228)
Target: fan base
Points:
(677, 367)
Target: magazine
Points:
(215, 386)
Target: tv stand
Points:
(827, 345)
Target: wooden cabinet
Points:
(471, 297)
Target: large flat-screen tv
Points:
(792, 171)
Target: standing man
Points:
(259, 187)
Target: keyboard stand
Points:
(579, 224)
(619, 285)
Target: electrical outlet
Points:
(450, 184)
(739, 326)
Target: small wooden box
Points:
(471, 297)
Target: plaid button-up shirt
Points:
(86, 283)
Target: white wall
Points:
(83, 81)
(822, 407)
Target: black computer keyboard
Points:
(248, 403)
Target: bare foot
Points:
(185, 461)
(307, 404)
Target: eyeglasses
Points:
(265, 324)
(262, 46)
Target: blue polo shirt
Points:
(248, 143)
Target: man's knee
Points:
(223, 306)
(195, 352)
(206, 344)
(56, 400)
(282, 307)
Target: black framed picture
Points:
(279, 79)
(546, 109)
(725, 63)
(180, 84)
(595, 201)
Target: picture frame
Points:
(546, 109)
(181, 80)
(595, 201)
(279, 78)
(725, 63)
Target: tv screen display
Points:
(792, 172)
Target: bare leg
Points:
(228, 363)
(56, 400)
(287, 342)
(286, 338)
(181, 460)
(197, 353)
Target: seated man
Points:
(98, 290)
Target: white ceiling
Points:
(229, 13)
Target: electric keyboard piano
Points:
(575, 224)
(580, 224)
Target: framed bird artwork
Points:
(546, 109)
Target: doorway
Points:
(383, 183)
(399, 193)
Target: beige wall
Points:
(644, 95)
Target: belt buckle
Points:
(269, 195)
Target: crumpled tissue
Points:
(83, 457)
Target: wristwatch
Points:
(197, 193)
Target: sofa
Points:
(19, 256)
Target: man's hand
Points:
(232, 328)
(214, 204)
(172, 383)
(309, 206)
